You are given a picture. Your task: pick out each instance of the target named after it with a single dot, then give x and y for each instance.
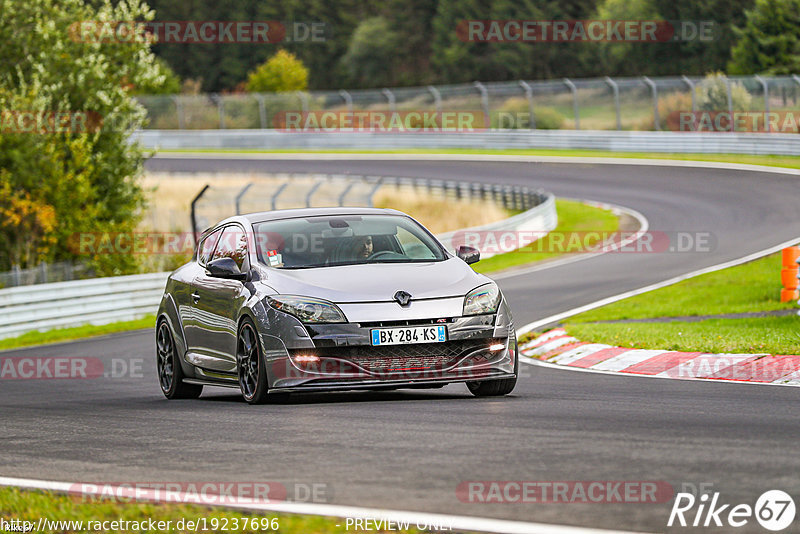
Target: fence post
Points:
(730, 101)
(690, 83)
(615, 88)
(274, 199)
(194, 218)
(484, 103)
(262, 110)
(217, 99)
(654, 90)
(179, 110)
(575, 109)
(43, 271)
(766, 101)
(239, 197)
(348, 100)
(303, 102)
(374, 190)
(350, 183)
(437, 99)
(529, 96)
(390, 97)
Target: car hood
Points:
(378, 282)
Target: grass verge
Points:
(751, 287)
(791, 162)
(24, 505)
(77, 332)
(574, 219)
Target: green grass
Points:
(573, 219)
(773, 335)
(78, 332)
(32, 505)
(791, 162)
(751, 287)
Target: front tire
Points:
(170, 372)
(250, 365)
(497, 388)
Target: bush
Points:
(282, 73)
(515, 115)
(712, 94)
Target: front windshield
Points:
(325, 241)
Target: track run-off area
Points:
(415, 450)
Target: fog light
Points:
(306, 358)
(496, 347)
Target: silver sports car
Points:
(331, 299)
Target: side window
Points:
(232, 244)
(207, 247)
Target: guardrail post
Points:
(240, 195)
(43, 271)
(690, 83)
(765, 87)
(615, 88)
(575, 108)
(529, 96)
(194, 218)
(390, 97)
(484, 103)
(437, 98)
(654, 90)
(179, 111)
(262, 110)
(312, 191)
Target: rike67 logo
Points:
(774, 510)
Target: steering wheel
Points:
(382, 254)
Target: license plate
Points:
(411, 334)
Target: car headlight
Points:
(483, 299)
(308, 309)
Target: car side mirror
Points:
(225, 268)
(470, 255)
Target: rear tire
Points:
(170, 372)
(497, 388)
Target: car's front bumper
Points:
(341, 356)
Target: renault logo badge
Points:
(402, 298)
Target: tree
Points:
(83, 177)
(282, 73)
(769, 42)
(370, 56)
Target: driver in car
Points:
(362, 246)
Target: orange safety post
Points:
(789, 274)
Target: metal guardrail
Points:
(625, 141)
(121, 298)
(64, 304)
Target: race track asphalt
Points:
(411, 449)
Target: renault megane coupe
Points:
(331, 299)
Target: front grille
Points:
(400, 358)
(418, 322)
